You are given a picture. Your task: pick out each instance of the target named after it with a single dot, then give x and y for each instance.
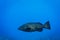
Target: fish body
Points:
(34, 26)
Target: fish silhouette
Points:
(34, 26)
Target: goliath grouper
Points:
(34, 26)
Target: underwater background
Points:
(14, 13)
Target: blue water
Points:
(14, 13)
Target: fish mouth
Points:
(20, 28)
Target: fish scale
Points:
(34, 26)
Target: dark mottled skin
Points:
(31, 27)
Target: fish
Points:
(34, 26)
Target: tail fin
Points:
(47, 25)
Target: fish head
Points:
(23, 27)
(26, 28)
